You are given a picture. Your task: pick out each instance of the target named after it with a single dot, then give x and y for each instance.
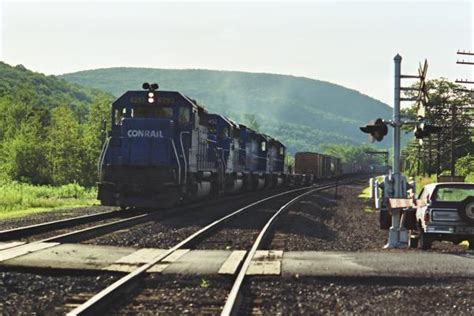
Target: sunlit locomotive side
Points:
(163, 149)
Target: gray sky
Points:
(349, 43)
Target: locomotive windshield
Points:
(152, 112)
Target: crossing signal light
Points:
(377, 129)
(423, 130)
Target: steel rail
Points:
(232, 299)
(101, 300)
(102, 229)
(99, 230)
(25, 231)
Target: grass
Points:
(422, 181)
(365, 194)
(470, 178)
(20, 199)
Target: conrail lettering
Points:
(144, 133)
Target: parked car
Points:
(445, 211)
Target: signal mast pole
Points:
(394, 184)
(396, 234)
(396, 127)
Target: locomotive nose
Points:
(147, 141)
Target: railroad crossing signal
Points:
(398, 235)
(424, 129)
(422, 101)
(377, 129)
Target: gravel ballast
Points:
(168, 231)
(311, 296)
(31, 293)
(324, 222)
(169, 295)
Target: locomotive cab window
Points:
(152, 112)
(224, 134)
(119, 114)
(282, 151)
(263, 146)
(184, 116)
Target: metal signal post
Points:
(395, 185)
(397, 234)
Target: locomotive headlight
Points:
(151, 94)
(151, 100)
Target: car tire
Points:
(426, 240)
(466, 210)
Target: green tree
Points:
(94, 136)
(64, 153)
(351, 153)
(22, 132)
(450, 108)
(465, 165)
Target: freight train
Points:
(164, 148)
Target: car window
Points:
(453, 194)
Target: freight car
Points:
(324, 167)
(164, 148)
(319, 165)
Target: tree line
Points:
(50, 145)
(50, 130)
(450, 148)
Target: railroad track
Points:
(30, 230)
(231, 306)
(107, 297)
(126, 219)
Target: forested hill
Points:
(40, 91)
(304, 113)
(50, 129)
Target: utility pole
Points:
(430, 156)
(453, 159)
(453, 109)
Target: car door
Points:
(422, 204)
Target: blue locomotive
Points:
(164, 148)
